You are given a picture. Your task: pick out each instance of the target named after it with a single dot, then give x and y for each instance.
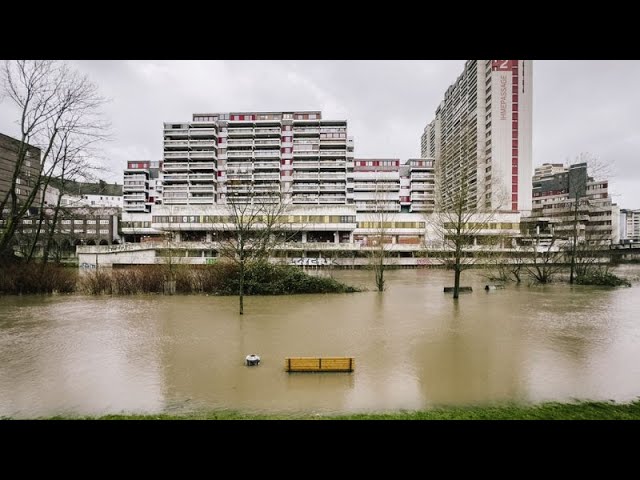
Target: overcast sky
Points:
(578, 106)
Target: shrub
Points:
(604, 278)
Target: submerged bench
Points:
(319, 364)
(461, 289)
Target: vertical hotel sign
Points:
(506, 87)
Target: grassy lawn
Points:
(545, 411)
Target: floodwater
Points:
(414, 348)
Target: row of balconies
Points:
(181, 166)
(191, 154)
(253, 131)
(319, 175)
(319, 164)
(253, 153)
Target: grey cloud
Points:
(578, 105)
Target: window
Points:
(91, 222)
(104, 232)
(91, 231)
(104, 222)
(26, 222)
(66, 222)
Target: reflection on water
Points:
(414, 348)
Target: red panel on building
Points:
(501, 65)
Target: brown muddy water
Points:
(415, 348)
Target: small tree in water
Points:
(464, 209)
(254, 224)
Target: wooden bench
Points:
(319, 364)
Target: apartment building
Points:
(28, 175)
(555, 189)
(480, 137)
(389, 185)
(376, 184)
(258, 157)
(142, 185)
(629, 225)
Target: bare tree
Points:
(379, 220)
(253, 227)
(546, 259)
(52, 99)
(579, 205)
(462, 216)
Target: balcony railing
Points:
(203, 154)
(202, 131)
(263, 131)
(331, 153)
(259, 165)
(267, 153)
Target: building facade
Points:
(142, 185)
(258, 157)
(556, 189)
(629, 225)
(28, 174)
(480, 137)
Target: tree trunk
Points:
(241, 287)
(456, 282)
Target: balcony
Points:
(240, 131)
(267, 153)
(207, 155)
(176, 143)
(306, 153)
(183, 154)
(203, 143)
(372, 186)
(268, 142)
(176, 177)
(331, 176)
(201, 200)
(332, 199)
(240, 153)
(263, 165)
(300, 165)
(169, 167)
(305, 187)
(202, 166)
(201, 132)
(239, 176)
(242, 142)
(266, 176)
(422, 176)
(332, 187)
(305, 176)
(134, 197)
(268, 131)
(418, 196)
(333, 153)
(332, 163)
(305, 199)
(135, 207)
(202, 189)
(176, 132)
(202, 177)
(306, 131)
